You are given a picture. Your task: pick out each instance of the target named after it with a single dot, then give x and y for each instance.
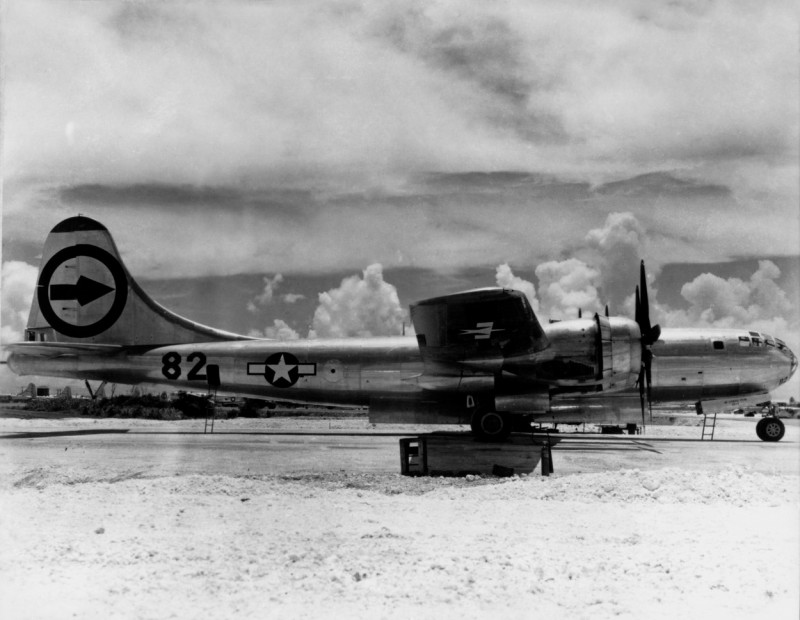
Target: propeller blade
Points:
(580, 313)
(649, 334)
(640, 381)
(606, 310)
(644, 302)
(648, 365)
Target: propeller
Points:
(650, 334)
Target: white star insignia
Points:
(281, 370)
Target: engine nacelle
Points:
(620, 345)
(585, 355)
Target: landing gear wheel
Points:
(490, 425)
(770, 429)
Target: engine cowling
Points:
(620, 350)
(585, 355)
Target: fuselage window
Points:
(718, 344)
(744, 341)
(31, 336)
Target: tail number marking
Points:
(171, 366)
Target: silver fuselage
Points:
(689, 365)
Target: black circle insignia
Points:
(120, 291)
(282, 369)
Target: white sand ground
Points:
(668, 543)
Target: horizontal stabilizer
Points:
(61, 349)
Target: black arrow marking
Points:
(120, 289)
(85, 291)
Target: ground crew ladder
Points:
(212, 410)
(708, 427)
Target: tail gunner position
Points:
(479, 357)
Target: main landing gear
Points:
(770, 429)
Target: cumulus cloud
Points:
(279, 330)
(292, 298)
(506, 278)
(604, 270)
(267, 295)
(566, 287)
(19, 284)
(367, 306)
(616, 250)
(757, 303)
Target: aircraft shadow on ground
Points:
(599, 443)
(42, 434)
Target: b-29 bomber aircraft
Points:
(479, 357)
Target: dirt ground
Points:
(114, 542)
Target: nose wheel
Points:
(770, 429)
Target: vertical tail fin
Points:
(466, 328)
(85, 294)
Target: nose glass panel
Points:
(788, 352)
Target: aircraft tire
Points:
(490, 425)
(770, 429)
(760, 430)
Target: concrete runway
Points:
(165, 449)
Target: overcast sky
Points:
(546, 145)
